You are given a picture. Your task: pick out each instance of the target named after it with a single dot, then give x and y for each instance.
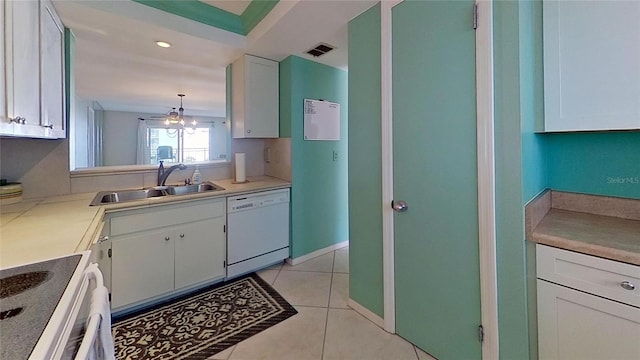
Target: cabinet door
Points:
(23, 64)
(199, 252)
(591, 71)
(52, 70)
(5, 126)
(141, 267)
(261, 85)
(576, 325)
(100, 250)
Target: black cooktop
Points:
(28, 296)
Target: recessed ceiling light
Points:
(163, 44)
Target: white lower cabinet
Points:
(577, 325)
(141, 267)
(159, 250)
(577, 318)
(197, 258)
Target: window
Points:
(207, 141)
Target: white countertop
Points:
(40, 229)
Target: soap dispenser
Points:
(196, 178)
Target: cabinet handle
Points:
(627, 285)
(167, 238)
(248, 131)
(50, 126)
(18, 120)
(103, 238)
(181, 235)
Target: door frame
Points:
(485, 165)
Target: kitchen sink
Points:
(114, 197)
(190, 189)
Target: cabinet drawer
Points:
(610, 279)
(576, 325)
(161, 216)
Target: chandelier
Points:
(174, 117)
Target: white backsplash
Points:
(139, 179)
(42, 166)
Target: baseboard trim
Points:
(317, 253)
(370, 315)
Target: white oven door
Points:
(88, 330)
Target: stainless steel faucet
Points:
(164, 174)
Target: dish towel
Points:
(100, 307)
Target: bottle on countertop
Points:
(196, 178)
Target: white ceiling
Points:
(119, 65)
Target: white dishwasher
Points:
(258, 230)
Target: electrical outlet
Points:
(335, 155)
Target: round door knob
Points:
(181, 235)
(167, 238)
(627, 285)
(399, 206)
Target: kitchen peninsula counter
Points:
(39, 229)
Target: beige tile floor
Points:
(325, 328)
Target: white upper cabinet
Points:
(254, 99)
(51, 71)
(5, 125)
(34, 71)
(23, 62)
(591, 65)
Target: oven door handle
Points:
(99, 321)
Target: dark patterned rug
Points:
(202, 324)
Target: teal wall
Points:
(534, 146)
(606, 163)
(365, 165)
(319, 194)
(210, 15)
(509, 138)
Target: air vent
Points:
(320, 50)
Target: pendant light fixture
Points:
(177, 117)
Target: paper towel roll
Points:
(241, 170)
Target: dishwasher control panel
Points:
(257, 200)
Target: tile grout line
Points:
(415, 351)
(326, 322)
(272, 285)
